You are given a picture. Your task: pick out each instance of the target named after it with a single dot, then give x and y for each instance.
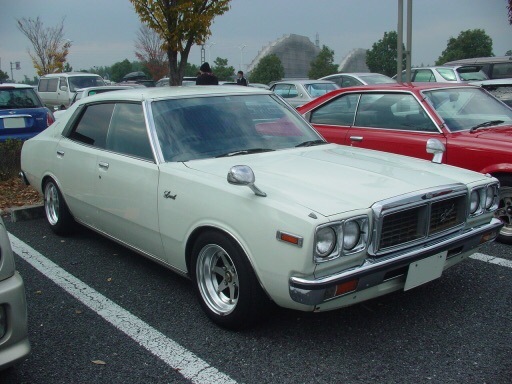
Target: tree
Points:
(50, 47)
(180, 24)
(382, 58)
(67, 68)
(509, 7)
(470, 43)
(3, 76)
(323, 64)
(222, 71)
(509, 52)
(26, 80)
(268, 69)
(119, 69)
(190, 70)
(150, 53)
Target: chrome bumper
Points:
(311, 291)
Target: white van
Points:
(57, 89)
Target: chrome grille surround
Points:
(417, 217)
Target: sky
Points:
(103, 32)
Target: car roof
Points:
(401, 87)
(14, 85)
(303, 81)
(70, 74)
(102, 87)
(140, 94)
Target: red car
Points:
(472, 128)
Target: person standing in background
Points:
(240, 80)
(206, 76)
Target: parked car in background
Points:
(187, 80)
(232, 188)
(14, 343)
(298, 92)
(499, 88)
(22, 113)
(446, 74)
(84, 92)
(360, 78)
(57, 89)
(497, 67)
(471, 127)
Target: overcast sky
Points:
(103, 31)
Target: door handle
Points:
(60, 153)
(356, 138)
(103, 165)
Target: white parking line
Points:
(492, 259)
(179, 358)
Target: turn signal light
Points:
(346, 287)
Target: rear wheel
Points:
(225, 283)
(57, 213)
(504, 212)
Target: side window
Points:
(393, 111)
(502, 70)
(424, 75)
(92, 127)
(63, 82)
(286, 91)
(349, 81)
(447, 73)
(48, 85)
(127, 133)
(338, 112)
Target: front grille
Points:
(401, 227)
(446, 214)
(418, 218)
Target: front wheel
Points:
(225, 283)
(56, 211)
(504, 212)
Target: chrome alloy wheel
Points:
(504, 213)
(51, 203)
(217, 279)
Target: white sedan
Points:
(232, 188)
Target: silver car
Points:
(358, 78)
(446, 74)
(299, 92)
(14, 344)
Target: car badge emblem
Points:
(167, 195)
(12, 112)
(447, 212)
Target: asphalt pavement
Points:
(456, 329)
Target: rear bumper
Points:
(373, 272)
(14, 345)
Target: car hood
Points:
(332, 179)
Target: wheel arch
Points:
(196, 233)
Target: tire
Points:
(57, 213)
(218, 262)
(504, 212)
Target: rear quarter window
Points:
(48, 85)
(92, 126)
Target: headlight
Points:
(325, 241)
(351, 235)
(490, 196)
(474, 202)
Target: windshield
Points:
(319, 89)
(471, 73)
(464, 108)
(77, 82)
(377, 79)
(205, 127)
(17, 98)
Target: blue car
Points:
(22, 113)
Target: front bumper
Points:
(376, 271)
(14, 345)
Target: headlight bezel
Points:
(340, 228)
(487, 197)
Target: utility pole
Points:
(400, 39)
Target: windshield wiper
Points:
(311, 143)
(246, 152)
(486, 124)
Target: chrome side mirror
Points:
(437, 148)
(243, 175)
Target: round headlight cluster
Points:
(325, 241)
(489, 196)
(351, 235)
(474, 202)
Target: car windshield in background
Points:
(466, 108)
(77, 82)
(471, 73)
(319, 89)
(198, 128)
(377, 79)
(17, 98)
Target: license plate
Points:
(14, 122)
(425, 270)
